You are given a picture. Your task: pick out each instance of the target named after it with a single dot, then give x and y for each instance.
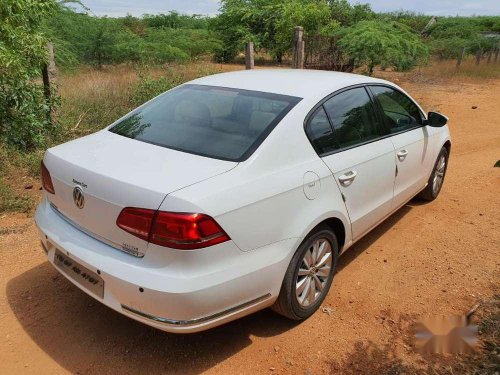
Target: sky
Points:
(116, 8)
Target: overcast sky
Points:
(210, 7)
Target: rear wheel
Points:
(309, 275)
(436, 179)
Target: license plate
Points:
(82, 275)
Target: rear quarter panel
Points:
(262, 200)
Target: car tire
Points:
(300, 304)
(436, 178)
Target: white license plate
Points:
(82, 275)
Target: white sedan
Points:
(235, 192)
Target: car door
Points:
(403, 122)
(345, 132)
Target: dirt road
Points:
(436, 258)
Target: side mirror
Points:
(436, 119)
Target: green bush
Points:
(81, 38)
(174, 20)
(143, 51)
(449, 48)
(24, 112)
(449, 35)
(192, 43)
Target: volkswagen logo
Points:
(78, 197)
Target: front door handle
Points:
(347, 178)
(402, 154)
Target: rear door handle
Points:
(347, 178)
(402, 154)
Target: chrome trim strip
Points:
(191, 322)
(93, 235)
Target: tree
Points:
(373, 43)
(241, 21)
(347, 15)
(415, 21)
(314, 16)
(267, 23)
(23, 109)
(100, 46)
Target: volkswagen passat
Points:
(235, 192)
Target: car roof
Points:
(303, 83)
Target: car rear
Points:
(101, 226)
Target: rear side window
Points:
(217, 122)
(352, 117)
(400, 113)
(320, 132)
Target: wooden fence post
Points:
(49, 76)
(298, 48)
(460, 57)
(479, 54)
(249, 59)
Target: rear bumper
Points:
(175, 291)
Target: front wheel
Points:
(309, 275)
(436, 179)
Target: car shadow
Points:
(84, 336)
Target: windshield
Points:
(217, 122)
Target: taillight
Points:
(46, 179)
(136, 221)
(184, 231)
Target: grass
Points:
(446, 71)
(12, 199)
(468, 70)
(92, 99)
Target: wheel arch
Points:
(447, 146)
(337, 225)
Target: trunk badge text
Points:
(78, 197)
(82, 184)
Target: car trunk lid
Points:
(111, 172)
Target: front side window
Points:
(217, 122)
(353, 118)
(400, 113)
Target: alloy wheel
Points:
(314, 272)
(439, 175)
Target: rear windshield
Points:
(217, 122)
